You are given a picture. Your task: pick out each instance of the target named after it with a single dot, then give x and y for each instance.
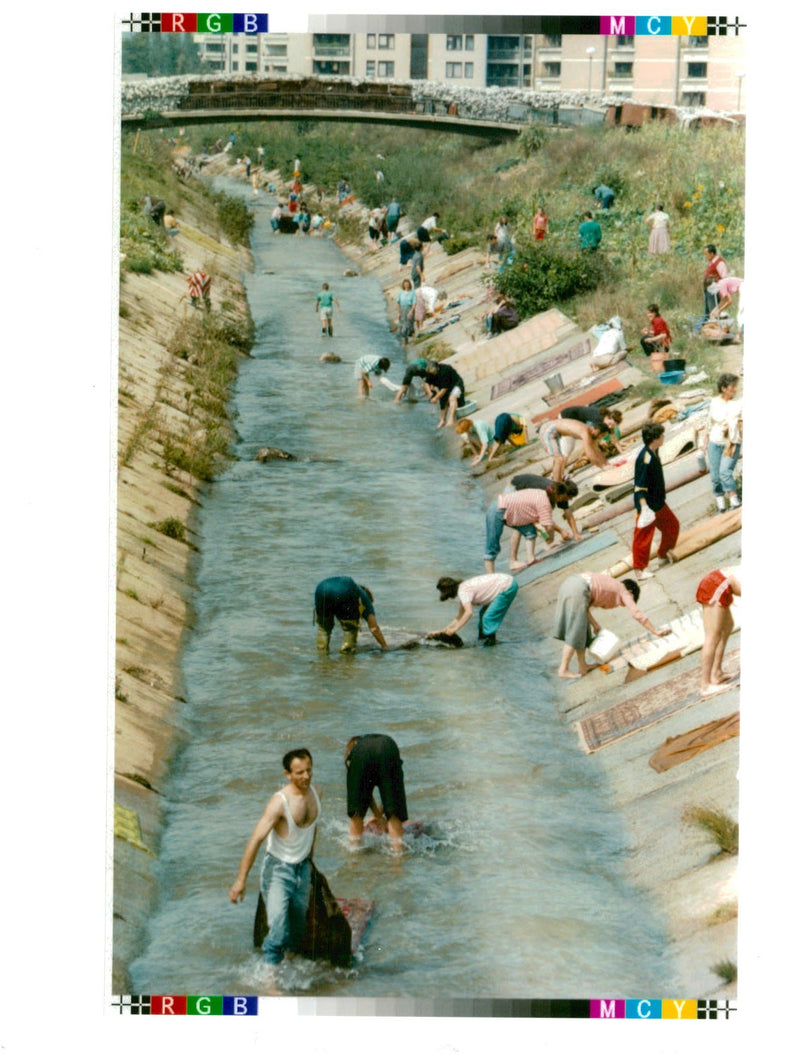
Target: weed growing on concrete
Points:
(726, 970)
(724, 913)
(171, 527)
(722, 829)
(175, 489)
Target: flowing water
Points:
(517, 888)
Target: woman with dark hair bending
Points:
(575, 624)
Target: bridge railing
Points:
(298, 101)
(381, 101)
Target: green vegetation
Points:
(171, 527)
(147, 169)
(726, 970)
(541, 276)
(161, 54)
(721, 828)
(234, 217)
(698, 176)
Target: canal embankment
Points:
(693, 887)
(175, 366)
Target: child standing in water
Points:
(324, 307)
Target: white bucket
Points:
(605, 645)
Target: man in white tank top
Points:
(289, 825)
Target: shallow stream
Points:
(518, 888)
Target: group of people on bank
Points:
(374, 769)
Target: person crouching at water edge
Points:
(492, 594)
(447, 389)
(524, 509)
(576, 625)
(373, 762)
(343, 599)
(366, 365)
(289, 824)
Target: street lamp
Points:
(590, 52)
(740, 77)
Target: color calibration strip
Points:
(596, 1009)
(602, 25)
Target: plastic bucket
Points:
(605, 645)
(671, 377)
(554, 383)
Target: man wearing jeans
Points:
(289, 825)
(492, 594)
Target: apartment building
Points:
(654, 70)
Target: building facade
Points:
(657, 70)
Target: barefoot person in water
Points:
(373, 763)
(576, 625)
(491, 594)
(289, 824)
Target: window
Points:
(469, 69)
(552, 40)
(698, 42)
(234, 65)
(455, 43)
(623, 69)
(469, 42)
(370, 67)
(453, 69)
(697, 69)
(552, 69)
(386, 69)
(693, 98)
(386, 41)
(215, 48)
(624, 42)
(251, 66)
(251, 49)
(370, 40)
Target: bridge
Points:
(204, 100)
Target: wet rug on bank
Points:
(677, 749)
(685, 636)
(647, 708)
(564, 555)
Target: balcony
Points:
(505, 55)
(502, 82)
(331, 51)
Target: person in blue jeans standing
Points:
(289, 825)
(723, 440)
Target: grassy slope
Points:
(697, 175)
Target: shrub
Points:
(541, 277)
(532, 139)
(234, 217)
